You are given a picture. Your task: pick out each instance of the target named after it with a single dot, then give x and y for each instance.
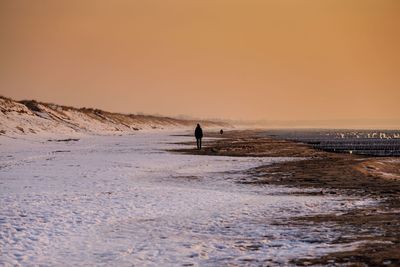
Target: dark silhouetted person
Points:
(221, 132)
(198, 133)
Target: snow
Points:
(18, 120)
(124, 200)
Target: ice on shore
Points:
(123, 201)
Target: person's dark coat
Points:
(198, 133)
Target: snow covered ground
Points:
(123, 201)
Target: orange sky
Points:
(267, 59)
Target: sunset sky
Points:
(267, 59)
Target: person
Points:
(221, 132)
(198, 133)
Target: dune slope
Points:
(32, 117)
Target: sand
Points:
(125, 201)
(377, 226)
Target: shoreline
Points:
(376, 227)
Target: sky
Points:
(248, 60)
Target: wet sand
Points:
(376, 227)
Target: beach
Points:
(199, 133)
(134, 200)
(376, 227)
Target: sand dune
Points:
(32, 117)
